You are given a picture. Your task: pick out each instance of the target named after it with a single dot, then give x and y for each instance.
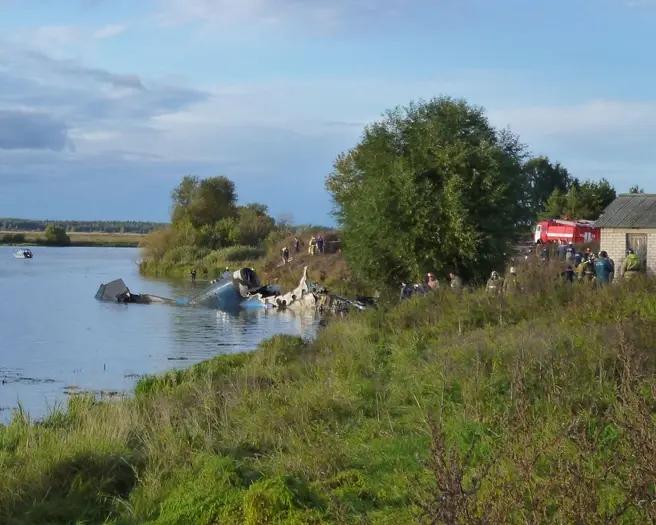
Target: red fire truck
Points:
(556, 230)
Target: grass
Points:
(330, 269)
(536, 407)
(87, 239)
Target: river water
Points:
(55, 338)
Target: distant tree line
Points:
(11, 224)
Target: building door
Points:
(638, 243)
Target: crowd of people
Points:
(430, 283)
(587, 266)
(316, 246)
(580, 266)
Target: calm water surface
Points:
(56, 338)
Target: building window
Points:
(638, 243)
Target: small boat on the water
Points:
(24, 254)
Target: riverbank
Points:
(118, 240)
(535, 407)
(329, 269)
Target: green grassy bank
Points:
(330, 269)
(532, 408)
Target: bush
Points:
(56, 235)
(157, 243)
(16, 238)
(239, 253)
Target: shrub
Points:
(219, 259)
(13, 238)
(56, 235)
(157, 243)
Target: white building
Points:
(630, 222)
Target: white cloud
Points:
(109, 31)
(315, 16)
(599, 138)
(52, 37)
(592, 118)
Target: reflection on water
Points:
(56, 338)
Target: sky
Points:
(106, 105)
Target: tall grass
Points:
(534, 407)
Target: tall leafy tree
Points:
(432, 186)
(542, 178)
(254, 224)
(182, 196)
(204, 202)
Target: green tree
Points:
(204, 201)
(432, 186)
(182, 196)
(254, 224)
(56, 235)
(542, 178)
(583, 200)
(636, 189)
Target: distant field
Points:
(87, 238)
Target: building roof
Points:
(630, 210)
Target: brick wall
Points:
(613, 240)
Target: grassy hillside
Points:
(330, 268)
(532, 408)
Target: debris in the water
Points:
(116, 291)
(242, 289)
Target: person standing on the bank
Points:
(631, 266)
(603, 269)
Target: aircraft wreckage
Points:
(242, 289)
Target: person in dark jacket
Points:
(603, 269)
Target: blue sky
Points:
(104, 106)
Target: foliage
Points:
(254, 224)
(34, 225)
(13, 238)
(56, 235)
(448, 408)
(442, 409)
(583, 200)
(542, 178)
(636, 189)
(206, 219)
(432, 185)
(157, 243)
(203, 202)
